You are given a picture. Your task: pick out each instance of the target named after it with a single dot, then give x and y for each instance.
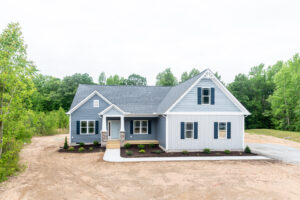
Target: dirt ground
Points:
(58, 176)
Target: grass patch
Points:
(289, 135)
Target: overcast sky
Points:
(145, 37)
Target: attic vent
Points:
(96, 103)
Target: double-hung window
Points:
(140, 126)
(189, 130)
(87, 127)
(206, 95)
(222, 130)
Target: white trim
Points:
(205, 113)
(141, 115)
(110, 107)
(87, 127)
(167, 133)
(70, 124)
(140, 133)
(209, 74)
(86, 99)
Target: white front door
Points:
(114, 129)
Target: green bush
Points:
(185, 152)
(157, 151)
(81, 149)
(141, 146)
(96, 143)
(247, 149)
(81, 144)
(127, 145)
(129, 153)
(206, 150)
(71, 149)
(142, 151)
(91, 148)
(152, 145)
(227, 151)
(66, 146)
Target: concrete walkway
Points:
(113, 155)
(277, 151)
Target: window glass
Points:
(144, 126)
(205, 91)
(83, 127)
(91, 127)
(140, 126)
(222, 129)
(189, 126)
(205, 95)
(137, 126)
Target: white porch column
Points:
(104, 123)
(122, 129)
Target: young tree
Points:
(186, 76)
(115, 80)
(16, 84)
(135, 79)
(102, 79)
(166, 78)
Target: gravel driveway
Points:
(54, 175)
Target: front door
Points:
(114, 129)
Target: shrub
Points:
(151, 145)
(142, 151)
(129, 153)
(206, 150)
(96, 143)
(185, 152)
(127, 145)
(66, 146)
(157, 151)
(81, 149)
(247, 149)
(91, 148)
(227, 151)
(71, 149)
(81, 144)
(141, 146)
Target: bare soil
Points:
(152, 152)
(63, 176)
(88, 148)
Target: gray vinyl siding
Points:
(161, 131)
(205, 133)
(113, 111)
(87, 112)
(189, 102)
(151, 136)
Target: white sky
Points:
(145, 37)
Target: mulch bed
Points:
(151, 152)
(96, 148)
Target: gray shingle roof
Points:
(137, 99)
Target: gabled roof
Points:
(144, 99)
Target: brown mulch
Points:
(152, 152)
(96, 148)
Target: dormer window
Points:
(96, 103)
(206, 96)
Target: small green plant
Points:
(227, 151)
(81, 144)
(129, 153)
(66, 146)
(185, 152)
(127, 145)
(141, 146)
(247, 149)
(142, 151)
(206, 150)
(157, 151)
(151, 145)
(96, 143)
(71, 149)
(81, 149)
(91, 148)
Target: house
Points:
(196, 114)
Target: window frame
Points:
(96, 103)
(185, 130)
(222, 138)
(87, 127)
(140, 128)
(203, 95)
